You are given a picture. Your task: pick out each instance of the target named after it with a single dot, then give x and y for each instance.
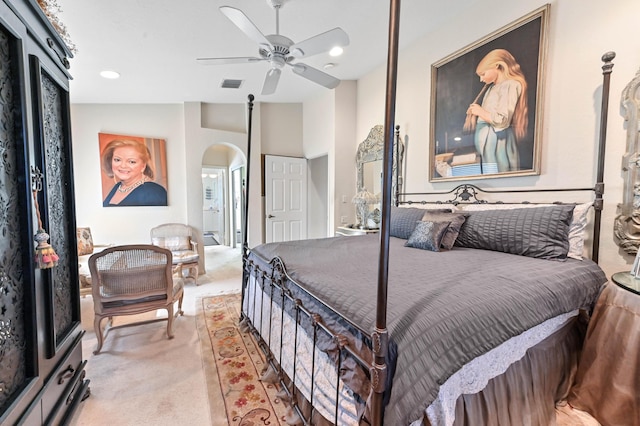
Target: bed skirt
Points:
(527, 392)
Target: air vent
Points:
(231, 84)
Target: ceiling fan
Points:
(279, 50)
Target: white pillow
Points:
(576, 229)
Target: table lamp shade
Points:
(362, 200)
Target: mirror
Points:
(369, 168)
(626, 228)
(372, 176)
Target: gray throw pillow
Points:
(427, 235)
(541, 232)
(455, 223)
(404, 219)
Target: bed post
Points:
(380, 334)
(599, 189)
(245, 244)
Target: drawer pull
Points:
(66, 374)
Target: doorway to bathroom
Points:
(214, 203)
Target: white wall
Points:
(218, 155)
(345, 151)
(281, 129)
(579, 33)
(318, 197)
(125, 225)
(329, 124)
(318, 140)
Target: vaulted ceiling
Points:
(154, 44)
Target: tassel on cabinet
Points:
(45, 255)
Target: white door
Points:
(285, 198)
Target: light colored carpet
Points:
(141, 377)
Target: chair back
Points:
(130, 273)
(173, 236)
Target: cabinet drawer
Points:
(61, 383)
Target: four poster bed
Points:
(477, 316)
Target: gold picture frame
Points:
(502, 138)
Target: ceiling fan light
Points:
(336, 51)
(299, 68)
(277, 62)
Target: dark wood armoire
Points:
(42, 372)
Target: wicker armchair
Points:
(178, 238)
(132, 279)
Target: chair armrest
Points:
(177, 270)
(194, 245)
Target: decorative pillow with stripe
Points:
(541, 232)
(576, 229)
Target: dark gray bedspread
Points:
(444, 308)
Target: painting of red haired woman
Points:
(486, 105)
(134, 171)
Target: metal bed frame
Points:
(378, 339)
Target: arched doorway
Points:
(223, 171)
(215, 199)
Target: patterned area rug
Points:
(239, 363)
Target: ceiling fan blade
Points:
(315, 75)
(271, 81)
(232, 60)
(320, 43)
(246, 26)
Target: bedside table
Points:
(606, 384)
(351, 230)
(627, 281)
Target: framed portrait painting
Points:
(133, 170)
(486, 104)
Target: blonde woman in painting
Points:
(502, 116)
(129, 164)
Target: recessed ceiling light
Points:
(336, 51)
(109, 74)
(328, 65)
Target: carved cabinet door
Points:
(17, 321)
(41, 370)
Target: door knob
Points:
(271, 216)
